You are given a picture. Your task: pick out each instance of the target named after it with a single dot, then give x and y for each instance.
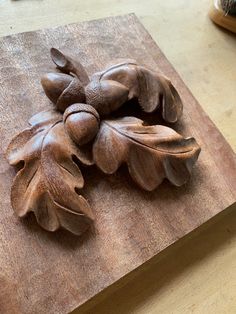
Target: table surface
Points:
(198, 274)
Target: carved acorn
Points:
(48, 183)
(81, 123)
(110, 89)
(106, 96)
(63, 90)
(152, 89)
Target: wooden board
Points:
(42, 272)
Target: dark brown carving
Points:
(49, 177)
(69, 66)
(153, 90)
(81, 122)
(47, 154)
(110, 89)
(63, 90)
(106, 96)
(152, 153)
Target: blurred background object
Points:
(223, 13)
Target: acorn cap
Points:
(79, 107)
(62, 89)
(81, 123)
(106, 96)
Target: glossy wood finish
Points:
(49, 182)
(151, 153)
(48, 175)
(137, 230)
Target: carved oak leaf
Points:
(152, 89)
(48, 181)
(156, 90)
(151, 153)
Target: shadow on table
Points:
(139, 287)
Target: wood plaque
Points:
(43, 272)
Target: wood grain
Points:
(132, 226)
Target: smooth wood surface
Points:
(195, 275)
(136, 233)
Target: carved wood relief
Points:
(81, 129)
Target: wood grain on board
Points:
(43, 272)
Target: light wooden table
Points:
(198, 274)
